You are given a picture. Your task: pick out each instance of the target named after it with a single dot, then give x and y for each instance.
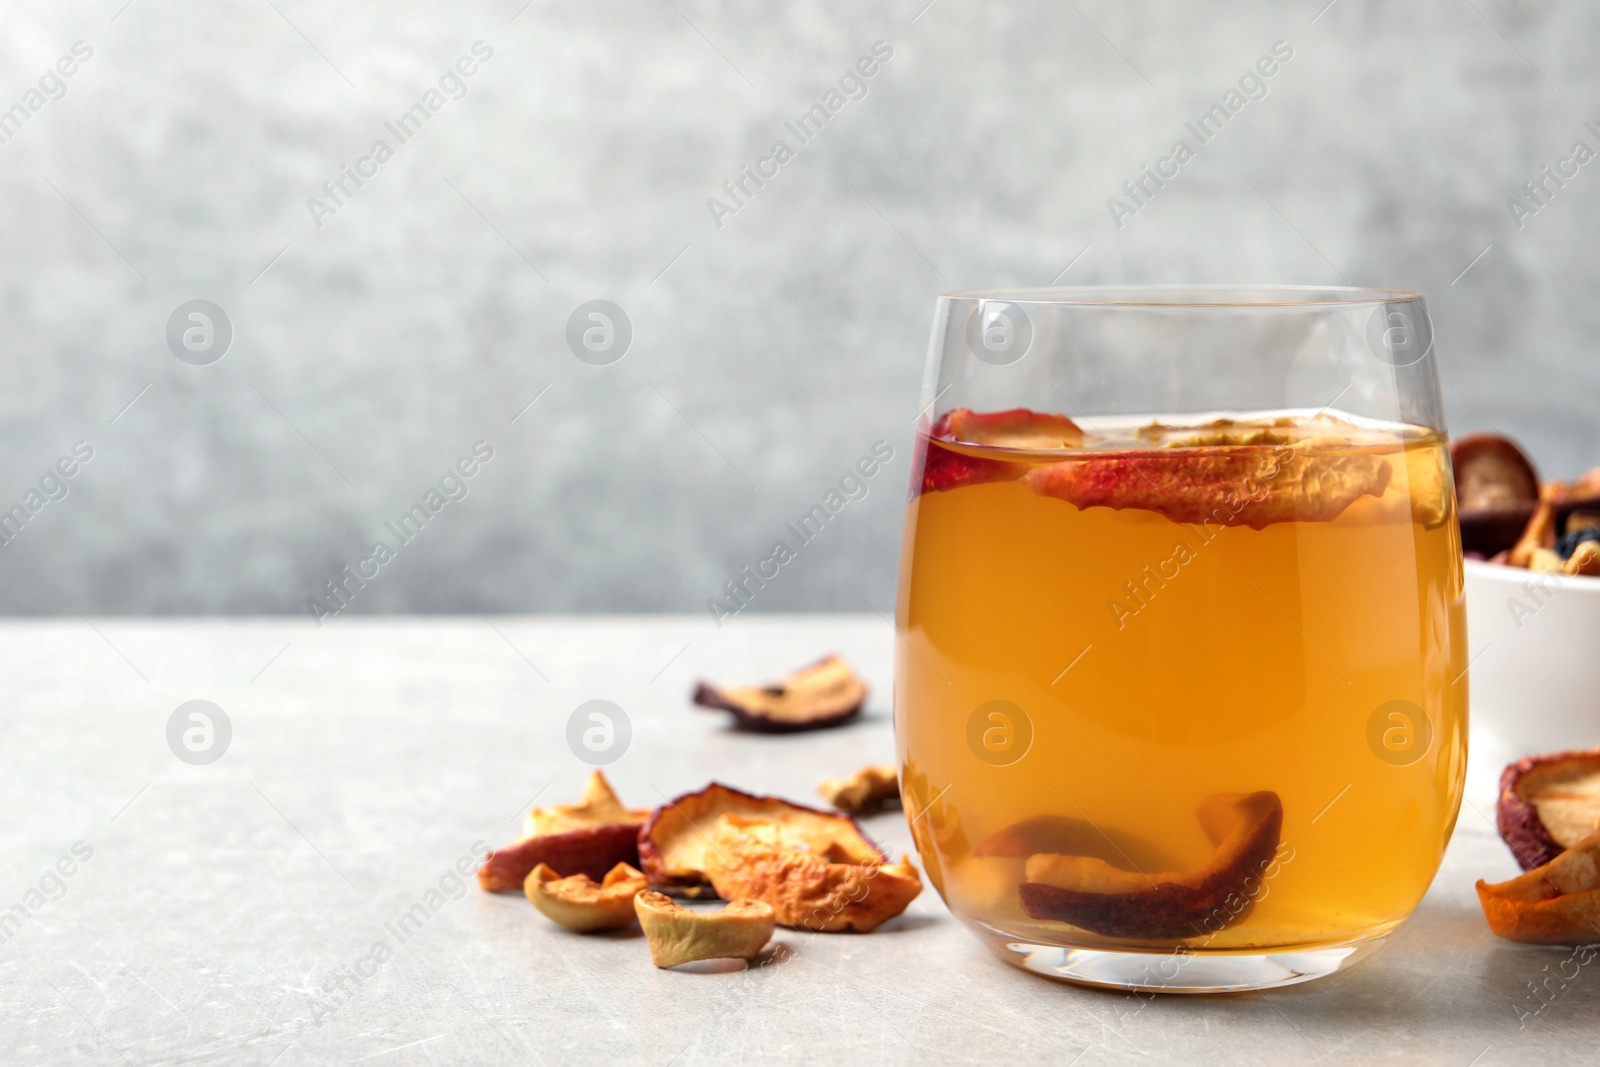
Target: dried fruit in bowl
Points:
(1492, 472)
(813, 889)
(589, 837)
(1548, 804)
(1540, 533)
(1554, 904)
(1231, 485)
(676, 847)
(1089, 893)
(678, 935)
(826, 693)
(1584, 559)
(580, 903)
(1583, 491)
(1582, 527)
(872, 786)
(951, 468)
(1497, 489)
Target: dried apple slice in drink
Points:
(873, 786)
(1019, 428)
(826, 693)
(589, 837)
(1313, 480)
(1016, 428)
(1549, 804)
(1428, 485)
(1094, 895)
(1067, 836)
(935, 823)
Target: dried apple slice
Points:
(580, 903)
(1228, 485)
(678, 935)
(1582, 493)
(1554, 904)
(1492, 472)
(676, 847)
(935, 823)
(826, 693)
(589, 837)
(1549, 803)
(946, 468)
(766, 860)
(1016, 428)
(1066, 836)
(1539, 535)
(1094, 895)
(1585, 559)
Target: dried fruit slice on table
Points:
(678, 935)
(1549, 804)
(589, 837)
(1556, 904)
(1094, 895)
(580, 903)
(816, 869)
(872, 786)
(1231, 485)
(767, 860)
(676, 847)
(949, 468)
(826, 693)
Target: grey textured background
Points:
(769, 354)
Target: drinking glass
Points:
(1180, 684)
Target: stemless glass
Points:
(1180, 694)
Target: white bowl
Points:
(1534, 643)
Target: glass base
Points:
(1178, 971)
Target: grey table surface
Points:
(232, 912)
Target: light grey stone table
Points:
(229, 912)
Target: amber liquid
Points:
(1251, 659)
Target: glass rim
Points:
(1192, 296)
